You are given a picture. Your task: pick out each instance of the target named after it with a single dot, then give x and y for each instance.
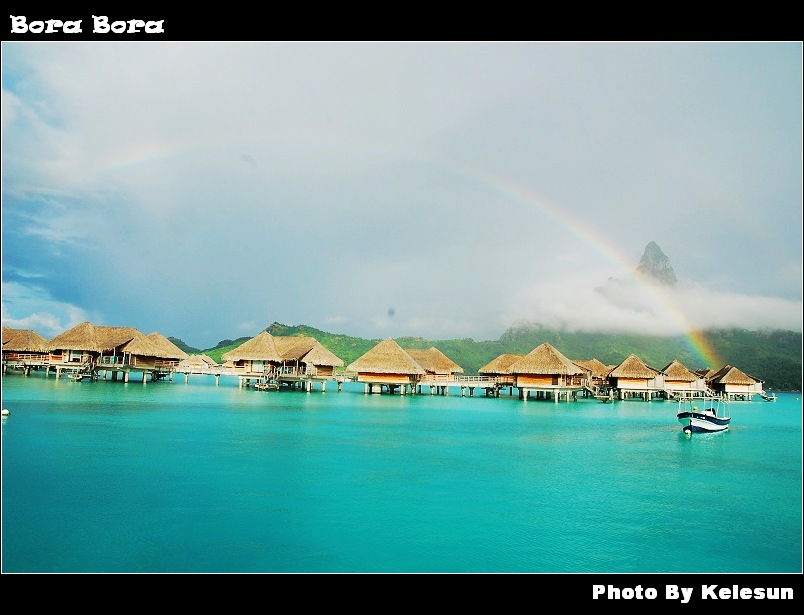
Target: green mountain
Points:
(186, 348)
(773, 356)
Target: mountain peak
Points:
(655, 266)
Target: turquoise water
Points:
(193, 477)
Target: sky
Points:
(446, 190)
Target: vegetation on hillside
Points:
(773, 356)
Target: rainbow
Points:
(145, 153)
(517, 196)
(662, 302)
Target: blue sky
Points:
(205, 190)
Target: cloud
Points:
(630, 306)
(42, 314)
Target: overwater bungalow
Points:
(197, 362)
(152, 354)
(634, 378)
(288, 360)
(596, 372)
(439, 370)
(734, 384)
(305, 355)
(595, 367)
(680, 381)
(497, 370)
(387, 366)
(24, 349)
(86, 345)
(91, 350)
(548, 373)
(256, 357)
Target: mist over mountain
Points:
(773, 356)
(770, 354)
(654, 266)
(628, 295)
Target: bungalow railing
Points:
(166, 363)
(458, 380)
(17, 356)
(469, 379)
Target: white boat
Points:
(703, 414)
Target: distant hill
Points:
(773, 356)
(183, 346)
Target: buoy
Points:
(5, 411)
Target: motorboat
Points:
(703, 414)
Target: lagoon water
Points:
(193, 477)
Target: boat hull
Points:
(697, 422)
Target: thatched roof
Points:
(595, 366)
(387, 357)
(261, 347)
(198, 360)
(23, 340)
(293, 347)
(500, 365)
(166, 348)
(633, 367)
(731, 375)
(435, 361)
(279, 348)
(94, 338)
(142, 345)
(545, 359)
(676, 370)
(320, 355)
(705, 372)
